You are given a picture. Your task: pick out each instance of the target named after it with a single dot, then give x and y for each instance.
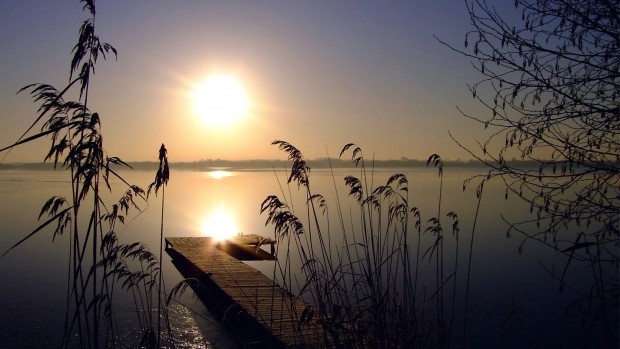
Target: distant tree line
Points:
(257, 164)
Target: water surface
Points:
(514, 301)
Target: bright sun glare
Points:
(220, 225)
(220, 100)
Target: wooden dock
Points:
(254, 308)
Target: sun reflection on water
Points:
(219, 174)
(220, 224)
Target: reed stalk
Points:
(161, 180)
(479, 192)
(363, 291)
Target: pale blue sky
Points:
(319, 74)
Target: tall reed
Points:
(161, 180)
(99, 265)
(366, 290)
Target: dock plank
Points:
(242, 296)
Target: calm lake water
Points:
(514, 301)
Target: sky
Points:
(318, 74)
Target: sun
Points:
(220, 100)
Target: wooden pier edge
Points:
(257, 311)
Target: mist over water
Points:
(514, 301)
